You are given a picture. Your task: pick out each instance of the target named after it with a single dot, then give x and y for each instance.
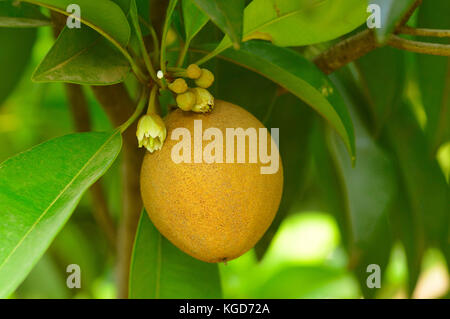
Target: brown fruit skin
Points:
(213, 212)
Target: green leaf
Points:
(82, 57)
(194, 19)
(161, 270)
(227, 15)
(104, 16)
(364, 196)
(427, 190)
(15, 53)
(39, 190)
(299, 22)
(392, 11)
(383, 92)
(21, 15)
(434, 76)
(302, 78)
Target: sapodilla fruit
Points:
(213, 212)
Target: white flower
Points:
(151, 132)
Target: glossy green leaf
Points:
(194, 19)
(434, 76)
(21, 15)
(392, 11)
(299, 76)
(299, 22)
(160, 270)
(15, 52)
(82, 57)
(39, 189)
(227, 15)
(104, 16)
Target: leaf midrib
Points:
(55, 200)
(73, 57)
(284, 16)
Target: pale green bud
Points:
(204, 101)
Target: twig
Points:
(419, 47)
(437, 33)
(346, 51)
(409, 13)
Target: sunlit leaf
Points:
(299, 22)
(39, 190)
(161, 270)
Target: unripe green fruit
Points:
(206, 79)
(193, 71)
(186, 101)
(178, 86)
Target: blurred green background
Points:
(307, 257)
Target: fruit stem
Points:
(152, 101)
(137, 112)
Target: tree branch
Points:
(346, 51)
(355, 47)
(419, 47)
(119, 106)
(79, 107)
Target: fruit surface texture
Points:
(214, 212)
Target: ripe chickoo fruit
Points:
(215, 211)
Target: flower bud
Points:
(205, 80)
(204, 101)
(178, 86)
(193, 71)
(151, 132)
(186, 101)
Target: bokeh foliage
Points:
(389, 109)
